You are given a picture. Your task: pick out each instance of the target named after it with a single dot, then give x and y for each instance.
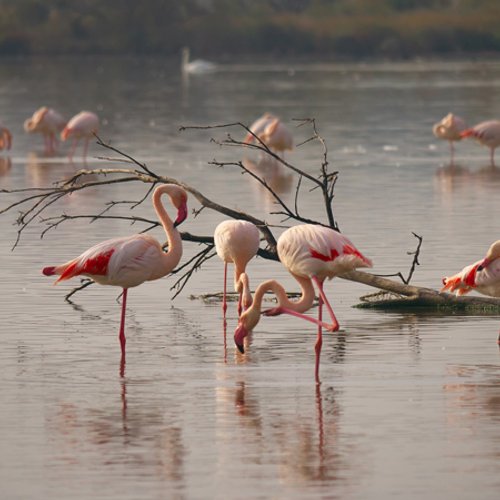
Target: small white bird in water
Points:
(196, 67)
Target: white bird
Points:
(49, 123)
(197, 67)
(237, 242)
(486, 133)
(449, 129)
(82, 126)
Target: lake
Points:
(409, 401)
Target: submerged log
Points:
(394, 295)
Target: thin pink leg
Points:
(85, 148)
(319, 339)
(224, 302)
(73, 148)
(335, 324)
(122, 324)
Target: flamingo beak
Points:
(182, 213)
(240, 333)
(483, 264)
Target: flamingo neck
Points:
(172, 257)
(242, 286)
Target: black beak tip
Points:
(240, 348)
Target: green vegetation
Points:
(325, 28)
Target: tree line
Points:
(220, 28)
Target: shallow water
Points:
(409, 403)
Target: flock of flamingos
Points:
(311, 253)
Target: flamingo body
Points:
(5, 138)
(272, 132)
(487, 134)
(49, 123)
(449, 128)
(129, 261)
(482, 276)
(237, 242)
(311, 254)
(82, 126)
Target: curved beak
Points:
(239, 334)
(182, 213)
(483, 264)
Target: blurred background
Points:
(218, 28)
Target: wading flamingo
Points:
(237, 242)
(49, 123)
(82, 126)
(482, 276)
(272, 132)
(449, 129)
(131, 260)
(311, 254)
(486, 133)
(5, 138)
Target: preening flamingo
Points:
(5, 138)
(129, 261)
(449, 129)
(482, 276)
(311, 254)
(196, 67)
(82, 126)
(48, 122)
(237, 242)
(272, 132)
(486, 133)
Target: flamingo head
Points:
(493, 253)
(179, 200)
(247, 322)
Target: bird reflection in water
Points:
(5, 165)
(273, 173)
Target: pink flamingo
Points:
(482, 276)
(237, 242)
(486, 133)
(311, 254)
(82, 126)
(5, 138)
(449, 129)
(272, 132)
(47, 122)
(129, 261)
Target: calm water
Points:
(409, 403)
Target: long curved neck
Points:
(173, 255)
(303, 304)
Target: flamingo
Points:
(237, 242)
(198, 66)
(486, 133)
(131, 260)
(272, 132)
(5, 138)
(47, 122)
(482, 276)
(311, 254)
(449, 129)
(82, 126)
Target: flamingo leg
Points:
(73, 148)
(224, 301)
(335, 324)
(319, 339)
(122, 323)
(85, 148)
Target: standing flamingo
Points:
(5, 138)
(482, 276)
(486, 133)
(449, 129)
(82, 126)
(48, 122)
(237, 242)
(131, 260)
(272, 132)
(311, 254)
